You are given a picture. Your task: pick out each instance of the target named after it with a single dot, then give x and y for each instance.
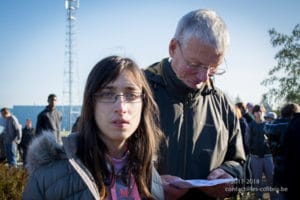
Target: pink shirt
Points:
(119, 190)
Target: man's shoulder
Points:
(156, 68)
(14, 120)
(295, 121)
(45, 110)
(154, 72)
(58, 112)
(28, 130)
(13, 117)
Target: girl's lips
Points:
(120, 123)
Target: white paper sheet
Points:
(200, 182)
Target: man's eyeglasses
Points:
(211, 70)
(111, 97)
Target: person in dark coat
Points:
(28, 132)
(275, 131)
(292, 158)
(203, 137)
(50, 119)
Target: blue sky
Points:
(32, 42)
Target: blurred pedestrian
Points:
(246, 114)
(28, 132)
(50, 119)
(275, 132)
(292, 158)
(12, 136)
(270, 116)
(261, 160)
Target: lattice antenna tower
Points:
(70, 57)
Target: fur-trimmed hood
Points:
(43, 150)
(51, 172)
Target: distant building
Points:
(24, 112)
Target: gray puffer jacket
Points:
(52, 173)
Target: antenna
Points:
(70, 58)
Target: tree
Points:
(284, 78)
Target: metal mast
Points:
(70, 54)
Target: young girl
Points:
(111, 156)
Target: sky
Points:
(33, 34)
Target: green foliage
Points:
(284, 78)
(12, 182)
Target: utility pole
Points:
(70, 57)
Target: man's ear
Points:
(172, 47)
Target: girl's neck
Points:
(117, 153)
(117, 150)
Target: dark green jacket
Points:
(202, 132)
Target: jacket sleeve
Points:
(38, 128)
(248, 135)
(17, 130)
(235, 156)
(156, 187)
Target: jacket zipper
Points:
(186, 133)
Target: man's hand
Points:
(171, 192)
(221, 190)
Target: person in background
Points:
(249, 107)
(2, 148)
(244, 126)
(50, 119)
(245, 113)
(28, 133)
(202, 133)
(12, 136)
(291, 157)
(275, 132)
(247, 169)
(270, 116)
(261, 160)
(112, 154)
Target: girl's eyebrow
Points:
(109, 87)
(128, 88)
(132, 88)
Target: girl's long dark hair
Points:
(142, 145)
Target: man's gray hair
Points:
(205, 25)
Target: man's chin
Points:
(198, 86)
(194, 86)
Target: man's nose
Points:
(203, 75)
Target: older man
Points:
(203, 137)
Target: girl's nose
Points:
(120, 105)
